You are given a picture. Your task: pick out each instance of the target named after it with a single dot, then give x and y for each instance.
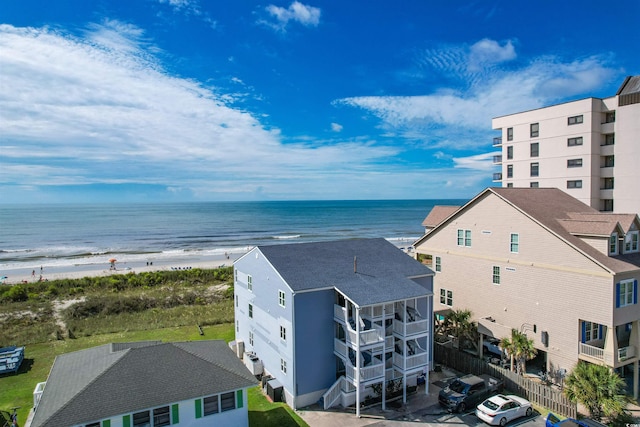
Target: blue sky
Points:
(180, 100)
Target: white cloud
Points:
(336, 127)
(487, 52)
(100, 109)
(306, 15)
(481, 162)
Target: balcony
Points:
(370, 333)
(497, 160)
(419, 327)
(497, 141)
(371, 373)
(497, 176)
(606, 172)
(591, 352)
(410, 363)
(377, 312)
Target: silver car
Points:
(500, 409)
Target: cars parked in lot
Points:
(467, 391)
(500, 409)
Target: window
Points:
(535, 130)
(509, 171)
(93, 424)
(535, 168)
(610, 117)
(509, 184)
(535, 149)
(283, 366)
(250, 311)
(607, 183)
(281, 298)
(610, 139)
(496, 275)
(446, 297)
(613, 244)
(574, 163)
(514, 247)
(250, 283)
(577, 183)
(574, 120)
(438, 264)
(591, 331)
(631, 242)
(534, 184)
(236, 300)
(510, 152)
(607, 205)
(464, 237)
(572, 142)
(608, 161)
(211, 405)
(509, 134)
(627, 290)
(237, 326)
(250, 338)
(283, 333)
(142, 419)
(161, 417)
(228, 401)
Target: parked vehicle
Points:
(491, 347)
(500, 409)
(554, 421)
(467, 391)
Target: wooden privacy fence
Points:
(538, 393)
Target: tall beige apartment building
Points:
(589, 148)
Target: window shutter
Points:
(106, 423)
(617, 295)
(583, 337)
(635, 291)
(198, 408)
(175, 414)
(600, 336)
(239, 400)
(126, 421)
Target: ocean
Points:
(35, 236)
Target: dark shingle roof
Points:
(136, 376)
(382, 270)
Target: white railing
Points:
(37, 394)
(340, 347)
(330, 397)
(625, 353)
(412, 328)
(388, 341)
(370, 336)
(410, 362)
(367, 373)
(591, 351)
(340, 313)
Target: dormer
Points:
(599, 230)
(632, 239)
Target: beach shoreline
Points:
(48, 273)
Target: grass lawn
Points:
(17, 389)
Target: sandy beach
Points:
(28, 275)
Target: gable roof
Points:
(554, 209)
(136, 376)
(382, 271)
(438, 214)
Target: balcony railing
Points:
(497, 159)
(373, 335)
(497, 176)
(375, 312)
(598, 353)
(497, 141)
(37, 394)
(410, 362)
(368, 373)
(412, 328)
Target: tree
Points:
(458, 323)
(519, 348)
(598, 388)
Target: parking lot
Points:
(420, 409)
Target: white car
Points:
(500, 409)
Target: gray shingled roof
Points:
(555, 209)
(114, 379)
(382, 270)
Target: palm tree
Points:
(519, 348)
(598, 388)
(458, 323)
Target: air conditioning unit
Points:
(253, 363)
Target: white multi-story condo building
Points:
(589, 148)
